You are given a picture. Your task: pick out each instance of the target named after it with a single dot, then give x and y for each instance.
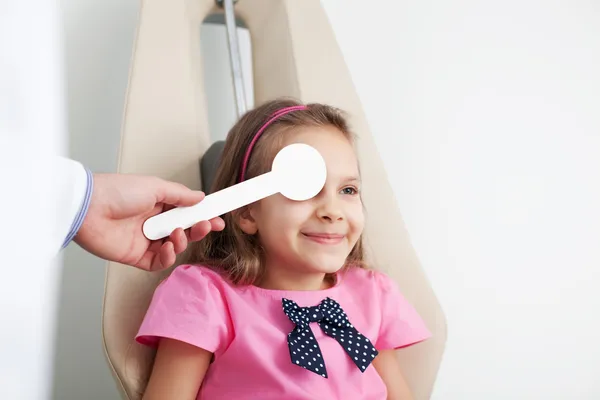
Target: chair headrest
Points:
(209, 164)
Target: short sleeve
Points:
(401, 325)
(187, 306)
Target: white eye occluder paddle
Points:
(298, 172)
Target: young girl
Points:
(279, 305)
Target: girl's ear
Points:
(246, 221)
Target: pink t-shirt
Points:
(247, 330)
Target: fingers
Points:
(179, 240)
(163, 255)
(217, 224)
(203, 228)
(166, 257)
(162, 259)
(199, 231)
(176, 194)
(158, 256)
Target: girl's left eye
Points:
(349, 190)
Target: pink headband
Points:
(274, 116)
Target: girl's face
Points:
(313, 236)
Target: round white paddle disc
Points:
(298, 172)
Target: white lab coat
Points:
(31, 270)
(40, 194)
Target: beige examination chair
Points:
(165, 133)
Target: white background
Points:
(487, 117)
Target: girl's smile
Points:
(324, 238)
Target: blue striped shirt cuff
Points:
(82, 211)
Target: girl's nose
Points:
(329, 209)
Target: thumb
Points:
(176, 194)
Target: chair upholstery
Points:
(165, 132)
(209, 164)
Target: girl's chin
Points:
(325, 267)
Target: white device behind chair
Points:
(298, 172)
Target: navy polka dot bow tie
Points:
(334, 322)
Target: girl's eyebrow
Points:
(351, 179)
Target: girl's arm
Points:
(388, 368)
(178, 371)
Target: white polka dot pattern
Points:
(304, 349)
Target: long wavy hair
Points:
(237, 255)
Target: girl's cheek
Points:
(293, 210)
(357, 214)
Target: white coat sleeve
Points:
(74, 186)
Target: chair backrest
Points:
(209, 164)
(165, 115)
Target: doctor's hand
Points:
(120, 204)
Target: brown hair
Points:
(237, 255)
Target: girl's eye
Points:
(350, 190)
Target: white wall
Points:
(486, 116)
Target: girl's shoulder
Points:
(197, 271)
(400, 323)
(190, 306)
(192, 276)
(362, 279)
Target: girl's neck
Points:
(281, 279)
